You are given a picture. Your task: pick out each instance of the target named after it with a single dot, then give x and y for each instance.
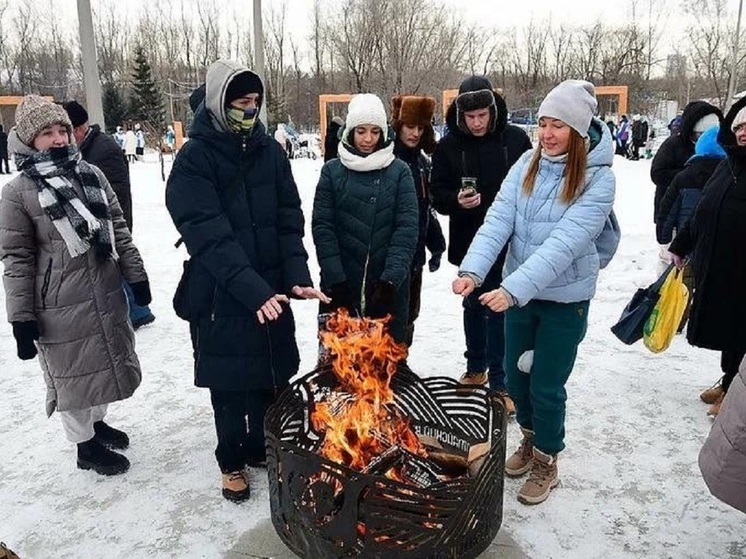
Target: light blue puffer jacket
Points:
(552, 254)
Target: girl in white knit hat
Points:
(365, 220)
(552, 207)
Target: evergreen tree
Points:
(115, 107)
(146, 102)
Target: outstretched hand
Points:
(463, 286)
(271, 309)
(310, 293)
(497, 300)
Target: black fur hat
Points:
(475, 93)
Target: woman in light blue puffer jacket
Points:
(551, 209)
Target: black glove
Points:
(342, 296)
(141, 292)
(381, 300)
(434, 262)
(25, 334)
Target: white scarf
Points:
(375, 161)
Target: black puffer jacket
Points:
(488, 158)
(676, 150)
(234, 201)
(716, 235)
(102, 150)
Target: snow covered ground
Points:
(630, 483)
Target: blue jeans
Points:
(136, 311)
(485, 334)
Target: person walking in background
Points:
(140, 145)
(331, 140)
(714, 239)
(65, 247)
(622, 136)
(411, 119)
(365, 217)
(469, 165)
(552, 207)
(130, 145)
(102, 151)
(232, 196)
(639, 136)
(4, 151)
(119, 139)
(281, 137)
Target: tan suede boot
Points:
(507, 401)
(541, 481)
(236, 486)
(474, 378)
(6, 553)
(711, 395)
(520, 462)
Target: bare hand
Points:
(677, 260)
(463, 286)
(310, 293)
(272, 309)
(496, 300)
(469, 198)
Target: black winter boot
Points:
(92, 455)
(110, 437)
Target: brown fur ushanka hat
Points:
(415, 110)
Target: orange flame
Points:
(362, 423)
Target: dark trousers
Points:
(239, 422)
(730, 360)
(485, 334)
(553, 331)
(415, 292)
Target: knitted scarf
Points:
(81, 223)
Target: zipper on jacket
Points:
(45, 285)
(214, 303)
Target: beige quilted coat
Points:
(86, 345)
(723, 456)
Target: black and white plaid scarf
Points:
(81, 223)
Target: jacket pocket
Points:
(181, 301)
(45, 284)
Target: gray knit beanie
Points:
(34, 114)
(573, 102)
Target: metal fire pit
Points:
(372, 516)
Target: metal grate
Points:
(324, 510)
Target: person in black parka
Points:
(365, 217)
(4, 151)
(716, 237)
(411, 119)
(480, 145)
(102, 150)
(232, 196)
(331, 139)
(673, 153)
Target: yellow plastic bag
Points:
(663, 322)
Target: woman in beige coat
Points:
(65, 247)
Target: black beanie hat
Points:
(77, 113)
(243, 84)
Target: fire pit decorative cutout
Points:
(433, 486)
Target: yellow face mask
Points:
(241, 121)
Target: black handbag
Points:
(630, 326)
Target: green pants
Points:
(553, 331)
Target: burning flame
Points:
(361, 423)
